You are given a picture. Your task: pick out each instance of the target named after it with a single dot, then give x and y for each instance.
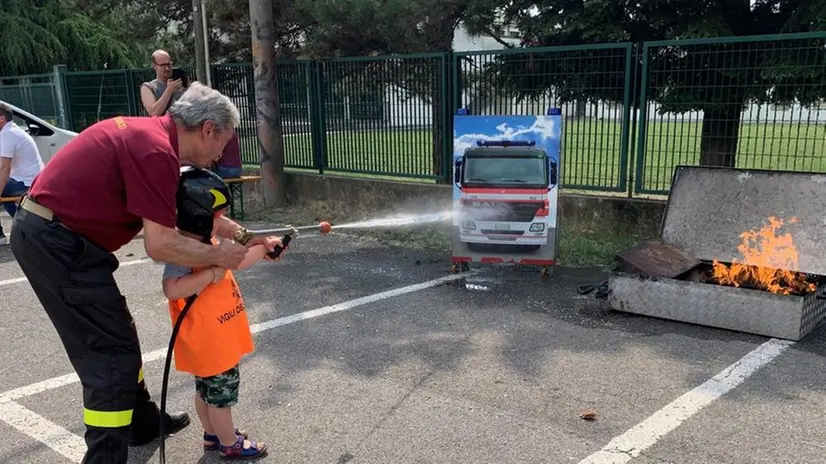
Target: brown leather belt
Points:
(29, 205)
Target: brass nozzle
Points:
(242, 236)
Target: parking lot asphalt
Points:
(355, 363)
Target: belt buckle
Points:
(31, 205)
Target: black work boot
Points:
(146, 431)
(146, 419)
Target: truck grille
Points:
(503, 210)
(502, 232)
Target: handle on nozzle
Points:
(244, 235)
(278, 248)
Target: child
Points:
(215, 333)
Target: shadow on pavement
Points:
(146, 454)
(438, 330)
(6, 255)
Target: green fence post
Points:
(131, 100)
(446, 100)
(317, 135)
(26, 92)
(64, 85)
(456, 84)
(634, 121)
(642, 121)
(321, 86)
(626, 120)
(60, 94)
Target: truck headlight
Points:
(537, 227)
(469, 225)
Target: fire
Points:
(766, 256)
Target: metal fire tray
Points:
(708, 209)
(739, 309)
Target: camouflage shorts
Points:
(220, 391)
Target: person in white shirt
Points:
(20, 162)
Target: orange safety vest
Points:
(215, 333)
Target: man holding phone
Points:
(160, 93)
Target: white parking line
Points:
(68, 379)
(69, 445)
(43, 430)
(648, 432)
(12, 281)
(17, 280)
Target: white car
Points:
(49, 138)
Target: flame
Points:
(766, 256)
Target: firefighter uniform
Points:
(88, 202)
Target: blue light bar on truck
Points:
(505, 143)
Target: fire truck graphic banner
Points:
(505, 188)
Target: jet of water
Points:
(398, 221)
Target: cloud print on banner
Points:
(541, 130)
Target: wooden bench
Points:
(236, 188)
(10, 199)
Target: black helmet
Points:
(201, 194)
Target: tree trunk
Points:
(270, 137)
(721, 128)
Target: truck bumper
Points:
(502, 240)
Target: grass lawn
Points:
(591, 155)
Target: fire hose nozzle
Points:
(324, 227)
(243, 236)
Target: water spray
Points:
(242, 236)
(398, 221)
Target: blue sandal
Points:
(238, 451)
(213, 439)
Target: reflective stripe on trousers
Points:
(107, 419)
(110, 419)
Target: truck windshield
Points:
(529, 170)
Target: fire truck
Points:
(504, 194)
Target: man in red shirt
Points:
(115, 178)
(229, 165)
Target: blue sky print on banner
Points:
(545, 130)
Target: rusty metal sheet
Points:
(709, 207)
(655, 259)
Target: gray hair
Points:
(200, 104)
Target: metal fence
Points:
(632, 112)
(36, 92)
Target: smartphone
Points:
(178, 73)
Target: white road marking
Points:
(13, 281)
(263, 326)
(73, 447)
(68, 379)
(17, 280)
(43, 430)
(629, 445)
